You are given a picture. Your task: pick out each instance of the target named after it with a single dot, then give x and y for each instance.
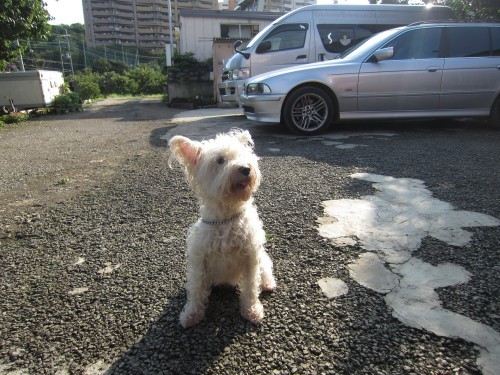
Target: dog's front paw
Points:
(268, 285)
(254, 313)
(191, 316)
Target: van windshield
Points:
(257, 37)
(371, 42)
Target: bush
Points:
(114, 83)
(87, 85)
(14, 118)
(149, 80)
(187, 68)
(65, 103)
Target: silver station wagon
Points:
(423, 70)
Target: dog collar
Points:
(220, 222)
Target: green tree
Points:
(473, 10)
(21, 20)
(465, 10)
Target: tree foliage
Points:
(21, 20)
(473, 10)
(465, 10)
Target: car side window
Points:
(468, 42)
(495, 41)
(416, 44)
(289, 36)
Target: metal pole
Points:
(69, 52)
(20, 59)
(60, 53)
(170, 28)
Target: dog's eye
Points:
(220, 160)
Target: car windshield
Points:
(367, 44)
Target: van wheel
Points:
(494, 120)
(308, 111)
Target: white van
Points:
(315, 33)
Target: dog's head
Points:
(223, 169)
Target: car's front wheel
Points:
(308, 111)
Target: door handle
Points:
(432, 69)
(301, 57)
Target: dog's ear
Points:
(245, 138)
(187, 151)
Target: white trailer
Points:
(30, 89)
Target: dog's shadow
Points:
(167, 348)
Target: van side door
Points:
(286, 45)
(471, 77)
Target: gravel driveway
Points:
(92, 236)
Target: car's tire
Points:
(494, 119)
(308, 110)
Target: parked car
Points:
(423, 70)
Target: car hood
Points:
(333, 67)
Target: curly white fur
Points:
(224, 173)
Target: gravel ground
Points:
(92, 258)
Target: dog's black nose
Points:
(245, 171)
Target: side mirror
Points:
(383, 54)
(237, 44)
(264, 47)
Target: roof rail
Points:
(433, 21)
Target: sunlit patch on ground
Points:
(391, 225)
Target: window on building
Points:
(238, 31)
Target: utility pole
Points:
(69, 53)
(20, 59)
(84, 55)
(171, 40)
(60, 54)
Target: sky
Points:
(71, 11)
(65, 11)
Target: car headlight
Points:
(243, 73)
(257, 88)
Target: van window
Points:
(495, 40)
(338, 38)
(416, 44)
(468, 42)
(289, 36)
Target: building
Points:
(145, 23)
(272, 5)
(135, 23)
(199, 28)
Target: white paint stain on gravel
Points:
(109, 268)
(333, 287)
(78, 291)
(391, 225)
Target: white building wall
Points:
(197, 33)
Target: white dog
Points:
(226, 245)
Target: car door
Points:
(471, 75)
(285, 46)
(408, 82)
